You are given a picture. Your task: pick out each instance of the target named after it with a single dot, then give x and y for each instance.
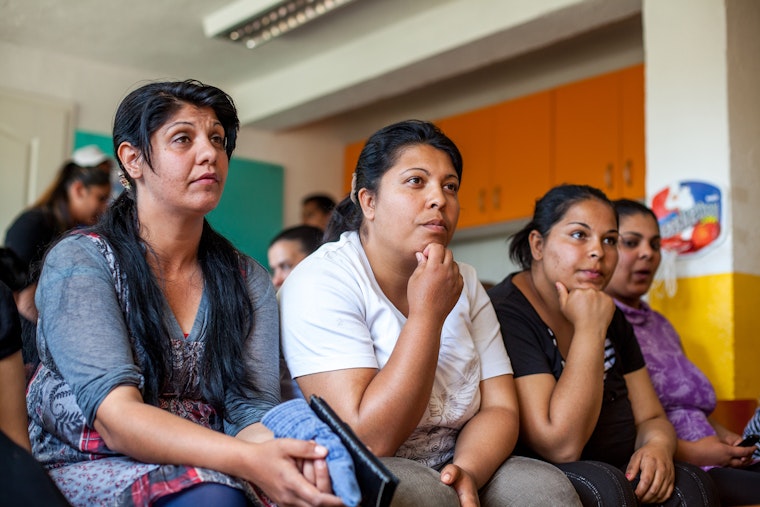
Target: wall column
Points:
(703, 123)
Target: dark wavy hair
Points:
(322, 201)
(628, 207)
(549, 210)
(378, 155)
(138, 117)
(308, 237)
(55, 199)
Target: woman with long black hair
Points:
(158, 339)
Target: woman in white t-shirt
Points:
(403, 341)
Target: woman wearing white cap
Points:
(78, 196)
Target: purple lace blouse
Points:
(685, 392)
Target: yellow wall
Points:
(746, 299)
(716, 317)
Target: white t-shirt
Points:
(334, 316)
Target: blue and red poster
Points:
(689, 214)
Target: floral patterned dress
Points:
(84, 468)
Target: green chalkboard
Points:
(82, 138)
(250, 212)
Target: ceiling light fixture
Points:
(254, 22)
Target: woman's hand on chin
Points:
(585, 307)
(436, 283)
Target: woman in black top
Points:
(78, 196)
(586, 401)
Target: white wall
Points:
(95, 89)
(743, 21)
(687, 124)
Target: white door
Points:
(35, 140)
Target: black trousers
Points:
(23, 481)
(737, 486)
(600, 484)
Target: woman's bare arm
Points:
(559, 416)
(150, 434)
(655, 441)
(13, 420)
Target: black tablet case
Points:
(376, 482)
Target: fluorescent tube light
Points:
(255, 22)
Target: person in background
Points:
(290, 247)
(685, 392)
(586, 401)
(316, 210)
(78, 196)
(286, 250)
(159, 338)
(402, 341)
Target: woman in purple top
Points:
(684, 391)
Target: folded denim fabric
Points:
(295, 419)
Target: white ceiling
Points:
(361, 53)
(163, 36)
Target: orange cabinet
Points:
(633, 133)
(588, 132)
(350, 157)
(522, 152)
(506, 151)
(473, 133)
(599, 133)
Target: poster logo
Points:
(689, 214)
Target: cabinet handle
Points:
(497, 197)
(627, 173)
(482, 200)
(608, 177)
